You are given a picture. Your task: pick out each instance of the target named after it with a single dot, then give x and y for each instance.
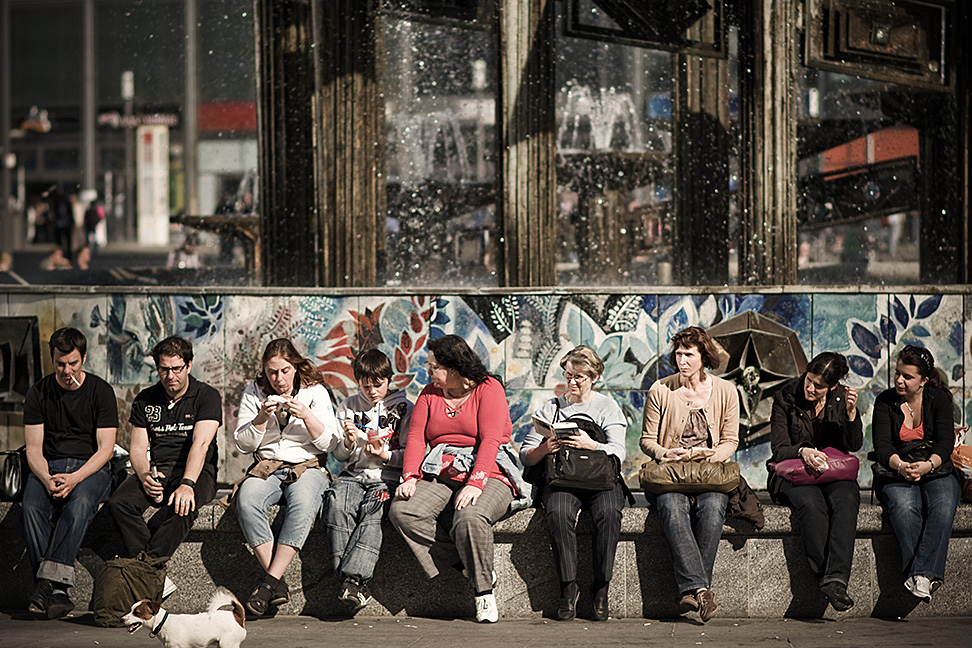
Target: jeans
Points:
(303, 498)
(129, 502)
(353, 511)
(54, 529)
(921, 516)
(693, 530)
(828, 525)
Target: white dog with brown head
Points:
(222, 624)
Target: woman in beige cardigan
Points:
(692, 415)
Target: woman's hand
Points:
(406, 489)
(814, 459)
(850, 399)
(675, 454)
(915, 470)
(468, 495)
(298, 409)
(266, 410)
(580, 440)
(551, 444)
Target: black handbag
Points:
(582, 469)
(13, 475)
(910, 452)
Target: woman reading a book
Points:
(582, 368)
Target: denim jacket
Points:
(465, 459)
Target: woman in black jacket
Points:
(921, 500)
(813, 413)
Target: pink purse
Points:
(842, 467)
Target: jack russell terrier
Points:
(220, 625)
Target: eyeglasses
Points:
(577, 378)
(164, 371)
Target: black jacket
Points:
(937, 418)
(791, 428)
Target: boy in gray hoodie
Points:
(375, 425)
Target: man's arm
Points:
(106, 446)
(183, 499)
(34, 438)
(138, 455)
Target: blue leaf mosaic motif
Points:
(866, 341)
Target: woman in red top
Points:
(463, 418)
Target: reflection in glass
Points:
(614, 181)
(439, 88)
(861, 190)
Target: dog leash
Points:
(157, 628)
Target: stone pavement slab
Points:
(22, 631)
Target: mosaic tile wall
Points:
(522, 338)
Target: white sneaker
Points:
(486, 611)
(922, 588)
(167, 588)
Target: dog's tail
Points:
(222, 598)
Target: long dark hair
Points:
(830, 366)
(307, 373)
(922, 358)
(452, 352)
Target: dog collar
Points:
(156, 629)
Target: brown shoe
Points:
(708, 605)
(688, 603)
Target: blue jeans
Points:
(354, 509)
(54, 529)
(693, 531)
(303, 500)
(921, 516)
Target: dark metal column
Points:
(190, 111)
(290, 233)
(767, 120)
(700, 246)
(7, 242)
(351, 142)
(89, 168)
(525, 113)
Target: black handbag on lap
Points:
(582, 469)
(910, 452)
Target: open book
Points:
(560, 430)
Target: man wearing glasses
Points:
(176, 421)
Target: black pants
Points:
(562, 508)
(828, 525)
(129, 502)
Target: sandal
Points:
(281, 593)
(260, 599)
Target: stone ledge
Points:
(757, 574)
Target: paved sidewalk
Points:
(18, 630)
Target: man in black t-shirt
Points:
(175, 419)
(70, 421)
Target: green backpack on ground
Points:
(122, 582)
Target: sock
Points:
(489, 591)
(601, 588)
(568, 589)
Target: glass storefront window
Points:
(439, 87)
(614, 144)
(863, 147)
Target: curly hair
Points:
(585, 359)
(307, 373)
